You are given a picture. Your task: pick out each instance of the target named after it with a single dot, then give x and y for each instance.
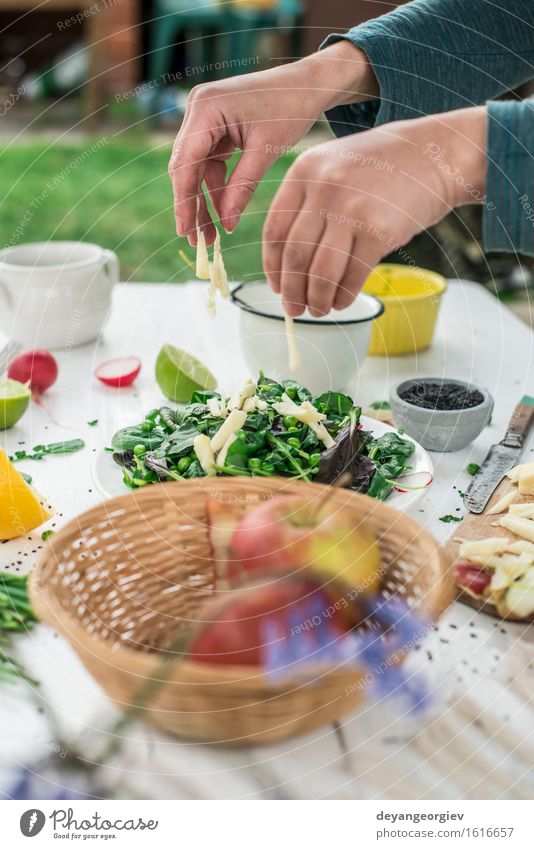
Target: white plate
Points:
(108, 478)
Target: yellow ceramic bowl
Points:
(412, 298)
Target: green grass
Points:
(118, 195)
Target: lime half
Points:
(14, 400)
(179, 374)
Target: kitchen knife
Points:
(501, 457)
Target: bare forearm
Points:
(343, 73)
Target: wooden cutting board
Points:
(480, 526)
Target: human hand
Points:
(262, 114)
(346, 204)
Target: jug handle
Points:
(112, 261)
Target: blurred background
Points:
(92, 95)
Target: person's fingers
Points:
(204, 222)
(362, 260)
(297, 258)
(283, 211)
(187, 168)
(327, 269)
(216, 170)
(242, 184)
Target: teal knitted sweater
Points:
(436, 55)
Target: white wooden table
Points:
(477, 741)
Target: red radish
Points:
(37, 368)
(413, 481)
(471, 578)
(120, 372)
(230, 630)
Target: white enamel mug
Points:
(332, 348)
(55, 294)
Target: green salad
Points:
(264, 429)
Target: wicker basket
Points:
(120, 581)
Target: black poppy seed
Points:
(441, 396)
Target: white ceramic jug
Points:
(55, 294)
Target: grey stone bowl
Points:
(440, 430)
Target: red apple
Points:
(290, 533)
(222, 519)
(230, 631)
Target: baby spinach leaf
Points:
(181, 440)
(246, 444)
(128, 437)
(295, 390)
(202, 395)
(195, 470)
(334, 404)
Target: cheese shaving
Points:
(204, 452)
(235, 421)
(218, 276)
(292, 346)
(203, 263)
(503, 504)
(221, 456)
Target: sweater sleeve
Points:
(508, 220)
(436, 55)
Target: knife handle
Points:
(520, 423)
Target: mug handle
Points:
(111, 260)
(5, 296)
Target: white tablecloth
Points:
(476, 741)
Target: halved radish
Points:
(119, 372)
(413, 481)
(471, 578)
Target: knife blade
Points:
(500, 458)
